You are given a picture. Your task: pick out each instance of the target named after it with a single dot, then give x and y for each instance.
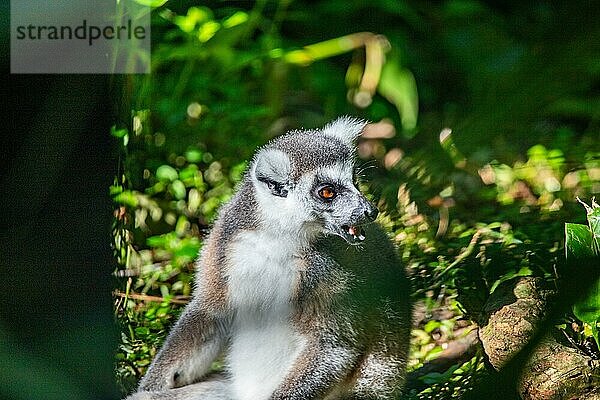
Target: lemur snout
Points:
(369, 211)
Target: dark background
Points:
(56, 324)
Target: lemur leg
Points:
(215, 387)
(320, 370)
(188, 352)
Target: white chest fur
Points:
(262, 276)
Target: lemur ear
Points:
(273, 168)
(347, 129)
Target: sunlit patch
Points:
(194, 110)
(383, 129)
(392, 157)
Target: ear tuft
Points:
(273, 168)
(347, 129)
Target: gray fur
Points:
(349, 300)
(317, 150)
(272, 164)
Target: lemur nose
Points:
(371, 213)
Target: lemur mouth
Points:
(353, 234)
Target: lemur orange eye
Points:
(327, 193)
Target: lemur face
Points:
(335, 202)
(304, 181)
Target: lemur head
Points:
(304, 182)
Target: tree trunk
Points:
(554, 371)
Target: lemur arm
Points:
(188, 352)
(322, 366)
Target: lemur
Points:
(297, 288)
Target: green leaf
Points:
(436, 377)
(236, 19)
(151, 3)
(156, 241)
(181, 225)
(188, 249)
(208, 30)
(178, 189)
(166, 173)
(593, 217)
(583, 241)
(193, 155)
(398, 85)
(115, 190)
(142, 331)
(588, 310)
(118, 133)
(432, 325)
(189, 172)
(122, 134)
(523, 271)
(321, 50)
(578, 241)
(127, 198)
(434, 353)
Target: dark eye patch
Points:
(276, 188)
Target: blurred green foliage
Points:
(486, 128)
(584, 241)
